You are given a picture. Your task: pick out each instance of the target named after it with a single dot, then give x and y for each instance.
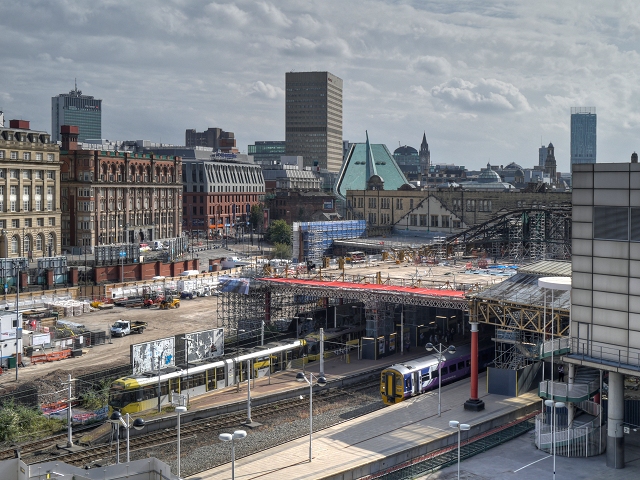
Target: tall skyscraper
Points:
(313, 118)
(583, 135)
(74, 108)
(542, 155)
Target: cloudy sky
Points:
(487, 80)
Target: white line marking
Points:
(522, 468)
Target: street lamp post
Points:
(320, 381)
(179, 410)
(18, 324)
(122, 254)
(117, 420)
(460, 427)
(440, 349)
(228, 437)
(553, 405)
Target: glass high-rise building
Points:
(74, 108)
(313, 118)
(583, 135)
(267, 152)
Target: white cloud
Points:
(489, 95)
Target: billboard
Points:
(200, 345)
(145, 357)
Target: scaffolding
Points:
(314, 240)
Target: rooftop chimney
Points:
(634, 157)
(21, 124)
(69, 134)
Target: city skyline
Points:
(487, 82)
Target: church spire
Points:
(424, 155)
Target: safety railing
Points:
(601, 354)
(567, 392)
(583, 441)
(557, 346)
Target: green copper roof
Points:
(359, 166)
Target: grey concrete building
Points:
(605, 300)
(313, 118)
(74, 108)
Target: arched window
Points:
(15, 242)
(27, 243)
(51, 244)
(39, 241)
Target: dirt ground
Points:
(193, 315)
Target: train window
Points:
(468, 363)
(452, 368)
(211, 379)
(460, 365)
(434, 373)
(149, 392)
(445, 370)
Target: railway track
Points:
(220, 422)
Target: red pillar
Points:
(474, 403)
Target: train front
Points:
(391, 386)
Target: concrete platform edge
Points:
(399, 458)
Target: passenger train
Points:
(136, 393)
(405, 380)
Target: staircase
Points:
(586, 384)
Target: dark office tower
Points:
(583, 135)
(542, 155)
(313, 117)
(215, 138)
(74, 108)
(425, 155)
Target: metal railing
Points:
(591, 351)
(568, 391)
(555, 345)
(584, 441)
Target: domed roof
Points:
(519, 173)
(488, 176)
(405, 150)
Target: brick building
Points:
(112, 197)
(219, 193)
(29, 192)
(301, 206)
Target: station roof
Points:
(369, 287)
(547, 268)
(523, 288)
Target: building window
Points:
(434, 220)
(445, 221)
(13, 174)
(14, 244)
(51, 174)
(39, 156)
(423, 220)
(14, 155)
(471, 205)
(611, 223)
(456, 224)
(15, 223)
(50, 157)
(372, 203)
(27, 243)
(39, 242)
(372, 218)
(40, 222)
(1, 153)
(399, 204)
(26, 174)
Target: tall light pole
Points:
(179, 410)
(117, 420)
(122, 254)
(228, 437)
(440, 349)
(320, 381)
(18, 324)
(553, 405)
(460, 427)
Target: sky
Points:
(488, 81)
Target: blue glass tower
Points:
(583, 135)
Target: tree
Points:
(255, 216)
(279, 232)
(280, 250)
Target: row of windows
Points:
(28, 174)
(13, 155)
(28, 243)
(28, 222)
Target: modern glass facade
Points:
(268, 152)
(583, 135)
(73, 108)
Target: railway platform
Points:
(377, 441)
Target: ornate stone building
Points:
(29, 192)
(113, 197)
